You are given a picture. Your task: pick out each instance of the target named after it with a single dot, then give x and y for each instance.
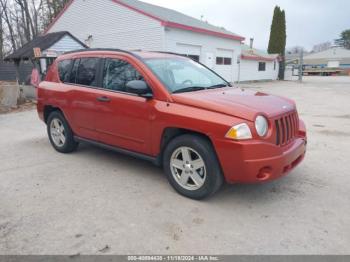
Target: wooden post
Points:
(17, 63)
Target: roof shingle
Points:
(172, 17)
(43, 42)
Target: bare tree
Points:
(6, 16)
(1, 36)
(52, 9)
(23, 20)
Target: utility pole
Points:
(301, 63)
(239, 69)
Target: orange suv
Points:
(174, 112)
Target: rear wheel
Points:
(191, 166)
(60, 134)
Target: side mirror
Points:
(138, 87)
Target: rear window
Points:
(87, 72)
(64, 70)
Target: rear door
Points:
(84, 81)
(123, 118)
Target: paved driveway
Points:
(99, 202)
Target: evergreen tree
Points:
(344, 39)
(278, 38)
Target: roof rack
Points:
(102, 49)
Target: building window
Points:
(223, 60)
(227, 61)
(262, 66)
(219, 60)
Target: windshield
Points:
(184, 75)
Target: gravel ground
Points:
(98, 202)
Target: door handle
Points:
(103, 99)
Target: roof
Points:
(256, 54)
(168, 18)
(335, 53)
(43, 42)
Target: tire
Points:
(60, 134)
(184, 177)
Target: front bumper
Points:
(254, 161)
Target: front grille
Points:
(287, 128)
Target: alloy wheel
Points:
(188, 168)
(57, 132)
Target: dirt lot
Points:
(99, 202)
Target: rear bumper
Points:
(254, 162)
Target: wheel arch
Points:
(171, 133)
(48, 109)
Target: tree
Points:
(295, 50)
(52, 9)
(278, 38)
(23, 20)
(344, 39)
(7, 16)
(321, 47)
(1, 36)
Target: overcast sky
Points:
(309, 22)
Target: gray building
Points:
(335, 57)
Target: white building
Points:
(334, 57)
(257, 65)
(131, 24)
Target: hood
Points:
(241, 103)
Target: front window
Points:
(117, 73)
(181, 75)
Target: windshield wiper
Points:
(218, 86)
(189, 89)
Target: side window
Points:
(64, 68)
(87, 72)
(116, 73)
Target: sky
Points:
(309, 22)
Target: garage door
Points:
(192, 51)
(224, 63)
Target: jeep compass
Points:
(173, 111)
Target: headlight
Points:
(239, 132)
(261, 125)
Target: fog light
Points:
(264, 174)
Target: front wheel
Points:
(192, 167)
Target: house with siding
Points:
(132, 24)
(18, 65)
(257, 65)
(135, 25)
